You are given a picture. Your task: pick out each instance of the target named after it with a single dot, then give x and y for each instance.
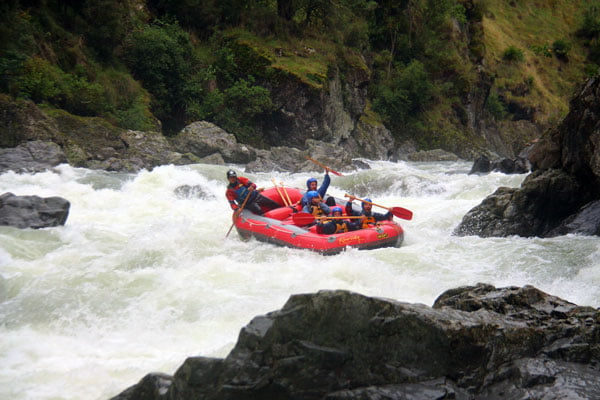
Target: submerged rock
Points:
(33, 211)
(476, 342)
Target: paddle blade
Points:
(335, 172)
(402, 213)
(303, 218)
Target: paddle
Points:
(397, 211)
(237, 212)
(303, 218)
(279, 192)
(324, 166)
(289, 200)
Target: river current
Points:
(140, 278)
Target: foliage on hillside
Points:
(138, 62)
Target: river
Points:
(139, 278)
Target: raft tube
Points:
(277, 227)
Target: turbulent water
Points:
(139, 278)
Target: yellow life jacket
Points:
(367, 221)
(316, 210)
(341, 226)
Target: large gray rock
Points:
(544, 199)
(33, 211)
(474, 343)
(203, 138)
(34, 156)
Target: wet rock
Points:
(544, 199)
(563, 188)
(33, 211)
(34, 156)
(476, 342)
(585, 222)
(153, 386)
(196, 191)
(483, 165)
(431, 156)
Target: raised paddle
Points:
(324, 166)
(289, 200)
(397, 211)
(303, 218)
(279, 192)
(238, 211)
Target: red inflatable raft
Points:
(278, 227)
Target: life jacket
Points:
(368, 221)
(341, 226)
(317, 211)
(241, 191)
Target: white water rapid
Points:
(139, 279)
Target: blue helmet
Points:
(336, 209)
(309, 181)
(311, 195)
(367, 199)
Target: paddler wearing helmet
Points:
(315, 205)
(239, 188)
(336, 225)
(311, 184)
(370, 218)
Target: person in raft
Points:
(370, 218)
(315, 205)
(239, 187)
(311, 184)
(332, 226)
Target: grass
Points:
(525, 25)
(309, 59)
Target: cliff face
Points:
(331, 113)
(562, 195)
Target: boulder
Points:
(202, 138)
(22, 121)
(431, 156)
(476, 342)
(483, 165)
(33, 211)
(544, 199)
(33, 156)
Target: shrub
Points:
(561, 48)
(543, 50)
(513, 53)
(161, 56)
(405, 95)
(494, 106)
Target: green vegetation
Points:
(165, 63)
(513, 53)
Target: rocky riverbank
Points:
(477, 342)
(32, 139)
(562, 194)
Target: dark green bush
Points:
(513, 53)
(561, 48)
